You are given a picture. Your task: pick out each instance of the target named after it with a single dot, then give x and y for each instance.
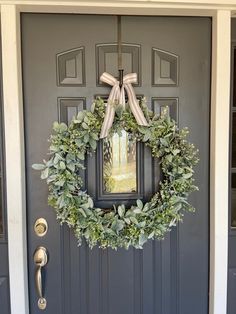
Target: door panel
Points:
(63, 57)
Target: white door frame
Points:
(14, 129)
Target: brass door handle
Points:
(40, 260)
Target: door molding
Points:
(14, 131)
(219, 158)
(14, 155)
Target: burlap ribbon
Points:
(117, 96)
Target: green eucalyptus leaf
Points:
(118, 225)
(80, 155)
(54, 148)
(110, 231)
(151, 235)
(140, 204)
(187, 175)
(147, 136)
(93, 143)
(44, 173)
(175, 152)
(127, 220)
(93, 107)
(169, 158)
(134, 220)
(137, 210)
(121, 225)
(82, 212)
(119, 110)
(142, 239)
(76, 121)
(80, 116)
(86, 138)
(57, 159)
(164, 142)
(90, 202)
(142, 224)
(86, 120)
(121, 210)
(78, 142)
(38, 166)
(62, 165)
(71, 166)
(146, 207)
(94, 136)
(85, 205)
(59, 182)
(59, 127)
(85, 126)
(143, 130)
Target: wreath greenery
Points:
(119, 227)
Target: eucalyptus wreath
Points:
(119, 226)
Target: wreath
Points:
(119, 226)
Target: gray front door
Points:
(63, 57)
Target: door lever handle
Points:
(40, 260)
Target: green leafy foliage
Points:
(119, 227)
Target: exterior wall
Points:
(221, 12)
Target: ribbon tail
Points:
(110, 111)
(134, 106)
(122, 97)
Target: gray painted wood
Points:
(62, 58)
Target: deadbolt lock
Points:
(40, 227)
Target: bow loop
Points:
(109, 79)
(117, 94)
(130, 78)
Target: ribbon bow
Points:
(117, 95)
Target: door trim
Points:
(219, 159)
(15, 167)
(14, 137)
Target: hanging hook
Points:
(119, 46)
(121, 75)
